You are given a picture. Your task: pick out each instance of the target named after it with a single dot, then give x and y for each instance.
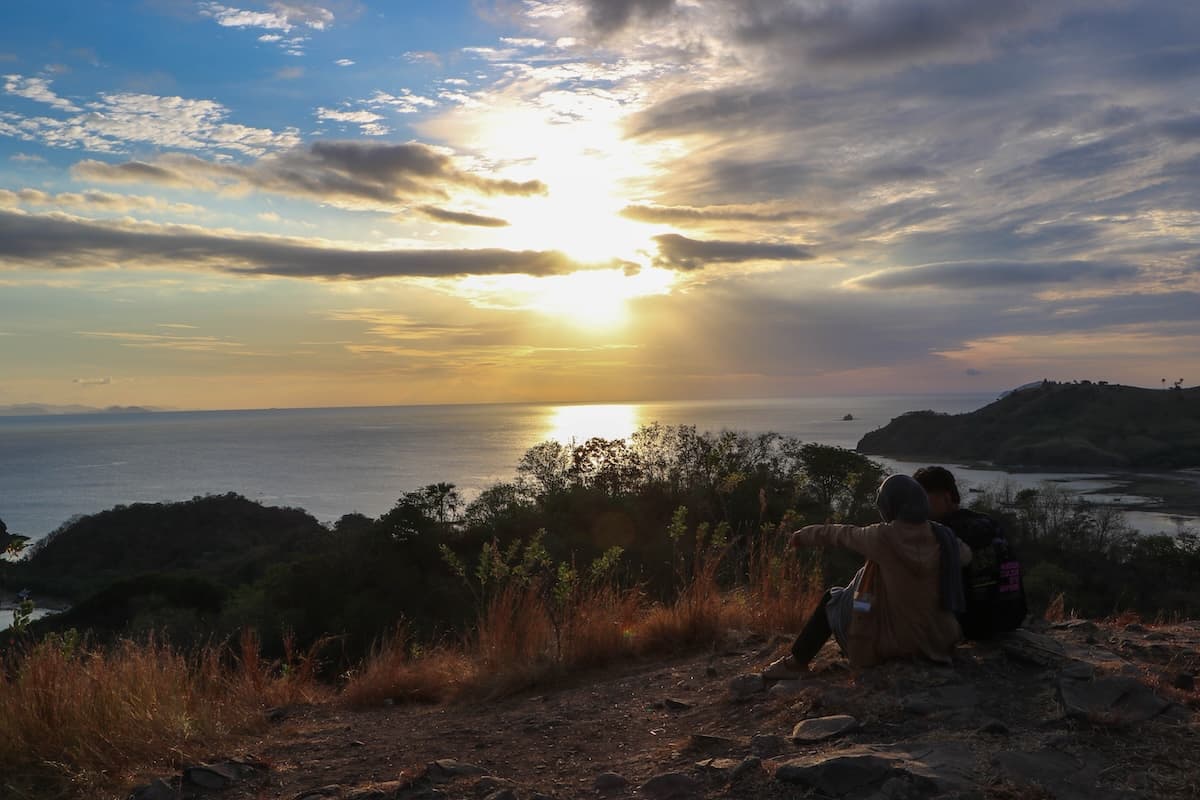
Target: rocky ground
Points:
(1072, 710)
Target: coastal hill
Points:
(1050, 424)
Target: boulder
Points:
(767, 745)
(609, 782)
(852, 775)
(821, 728)
(447, 769)
(745, 686)
(713, 745)
(671, 786)
(1110, 701)
(158, 789)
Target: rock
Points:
(718, 767)
(1078, 670)
(714, 745)
(502, 794)
(748, 765)
(767, 745)
(1185, 681)
(1061, 774)
(220, 776)
(744, 686)
(994, 727)
(1084, 626)
(447, 769)
(387, 791)
(609, 782)
(1033, 648)
(821, 728)
(851, 775)
(676, 705)
(671, 786)
(490, 784)
(786, 688)
(332, 790)
(158, 789)
(1110, 701)
(956, 697)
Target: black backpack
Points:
(992, 582)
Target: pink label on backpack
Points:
(1010, 577)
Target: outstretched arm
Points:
(867, 542)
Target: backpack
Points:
(992, 582)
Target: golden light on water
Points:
(580, 423)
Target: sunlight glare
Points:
(579, 423)
(591, 299)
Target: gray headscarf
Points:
(901, 497)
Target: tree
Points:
(840, 480)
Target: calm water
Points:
(335, 461)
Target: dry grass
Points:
(1056, 610)
(74, 719)
(525, 636)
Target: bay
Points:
(333, 461)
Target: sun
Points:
(592, 299)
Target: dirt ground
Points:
(641, 719)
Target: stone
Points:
(822, 728)
(211, 776)
(767, 745)
(1078, 670)
(159, 789)
(676, 705)
(385, 791)
(1033, 648)
(718, 767)
(994, 727)
(671, 786)
(490, 784)
(1110, 701)
(713, 745)
(447, 769)
(744, 686)
(955, 697)
(747, 766)
(332, 790)
(842, 775)
(786, 688)
(1185, 681)
(609, 782)
(1053, 770)
(502, 794)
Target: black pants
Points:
(815, 634)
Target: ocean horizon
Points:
(361, 459)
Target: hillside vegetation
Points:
(1078, 425)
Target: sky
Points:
(262, 204)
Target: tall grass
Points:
(73, 718)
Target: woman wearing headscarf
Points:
(902, 602)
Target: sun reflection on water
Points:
(580, 423)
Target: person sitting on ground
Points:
(902, 602)
(995, 595)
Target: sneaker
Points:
(784, 669)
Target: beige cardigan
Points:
(897, 609)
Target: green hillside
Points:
(1056, 425)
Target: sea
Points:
(334, 461)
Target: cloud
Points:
(37, 89)
(290, 19)
(993, 275)
(379, 174)
(344, 62)
(92, 381)
(679, 252)
(684, 215)
(461, 217)
(60, 242)
(27, 158)
(367, 121)
(116, 121)
(96, 200)
(607, 16)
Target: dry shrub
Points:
(600, 626)
(1056, 610)
(783, 591)
(392, 672)
(87, 717)
(1125, 618)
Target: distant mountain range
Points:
(1048, 424)
(43, 409)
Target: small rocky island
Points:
(1077, 425)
